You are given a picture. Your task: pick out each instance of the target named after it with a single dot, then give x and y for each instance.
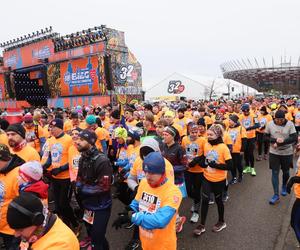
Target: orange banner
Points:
(32, 54)
(29, 55)
(2, 86)
(80, 77)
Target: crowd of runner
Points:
(61, 169)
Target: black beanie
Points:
(115, 114)
(18, 220)
(264, 109)
(201, 122)
(280, 114)
(57, 122)
(17, 128)
(89, 136)
(234, 118)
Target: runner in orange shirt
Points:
(218, 160)
(39, 228)
(194, 148)
(238, 136)
(155, 206)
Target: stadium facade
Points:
(283, 76)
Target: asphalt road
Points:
(251, 222)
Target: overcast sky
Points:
(191, 36)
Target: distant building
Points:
(266, 76)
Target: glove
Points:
(212, 164)
(192, 163)
(123, 218)
(124, 172)
(134, 192)
(56, 171)
(121, 163)
(290, 184)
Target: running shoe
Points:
(265, 157)
(194, 218)
(274, 199)
(233, 181)
(253, 172)
(211, 202)
(85, 242)
(259, 158)
(225, 197)
(240, 179)
(219, 227)
(192, 209)
(133, 244)
(199, 230)
(283, 191)
(247, 170)
(179, 224)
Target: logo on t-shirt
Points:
(233, 134)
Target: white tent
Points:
(197, 87)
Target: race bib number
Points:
(149, 203)
(88, 216)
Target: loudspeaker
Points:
(8, 85)
(108, 73)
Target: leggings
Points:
(261, 143)
(237, 165)
(249, 152)
(295, 218)
(97, 231)
(193, 185)
(217, 189)
(61, 191)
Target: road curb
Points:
(279, 245)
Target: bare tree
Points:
(206, 92)
(211, 89)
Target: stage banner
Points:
(29, 55)
(80, 77)
(33, 54)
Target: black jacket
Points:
(16, 161)
(94, 180)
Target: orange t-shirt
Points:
(60, 236)
(3, 138)
(226, 138)
(74, 156)
(182, 123)
(102, 134)
(263, 121)
(150, 200)
(297, 185)
(9, 189)
(59, 149)
(249, 121)
(179, 129)
(137, 170)
(220, 154)
(296, 114)
(27, 153)
(193, 149)
(236, 135)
